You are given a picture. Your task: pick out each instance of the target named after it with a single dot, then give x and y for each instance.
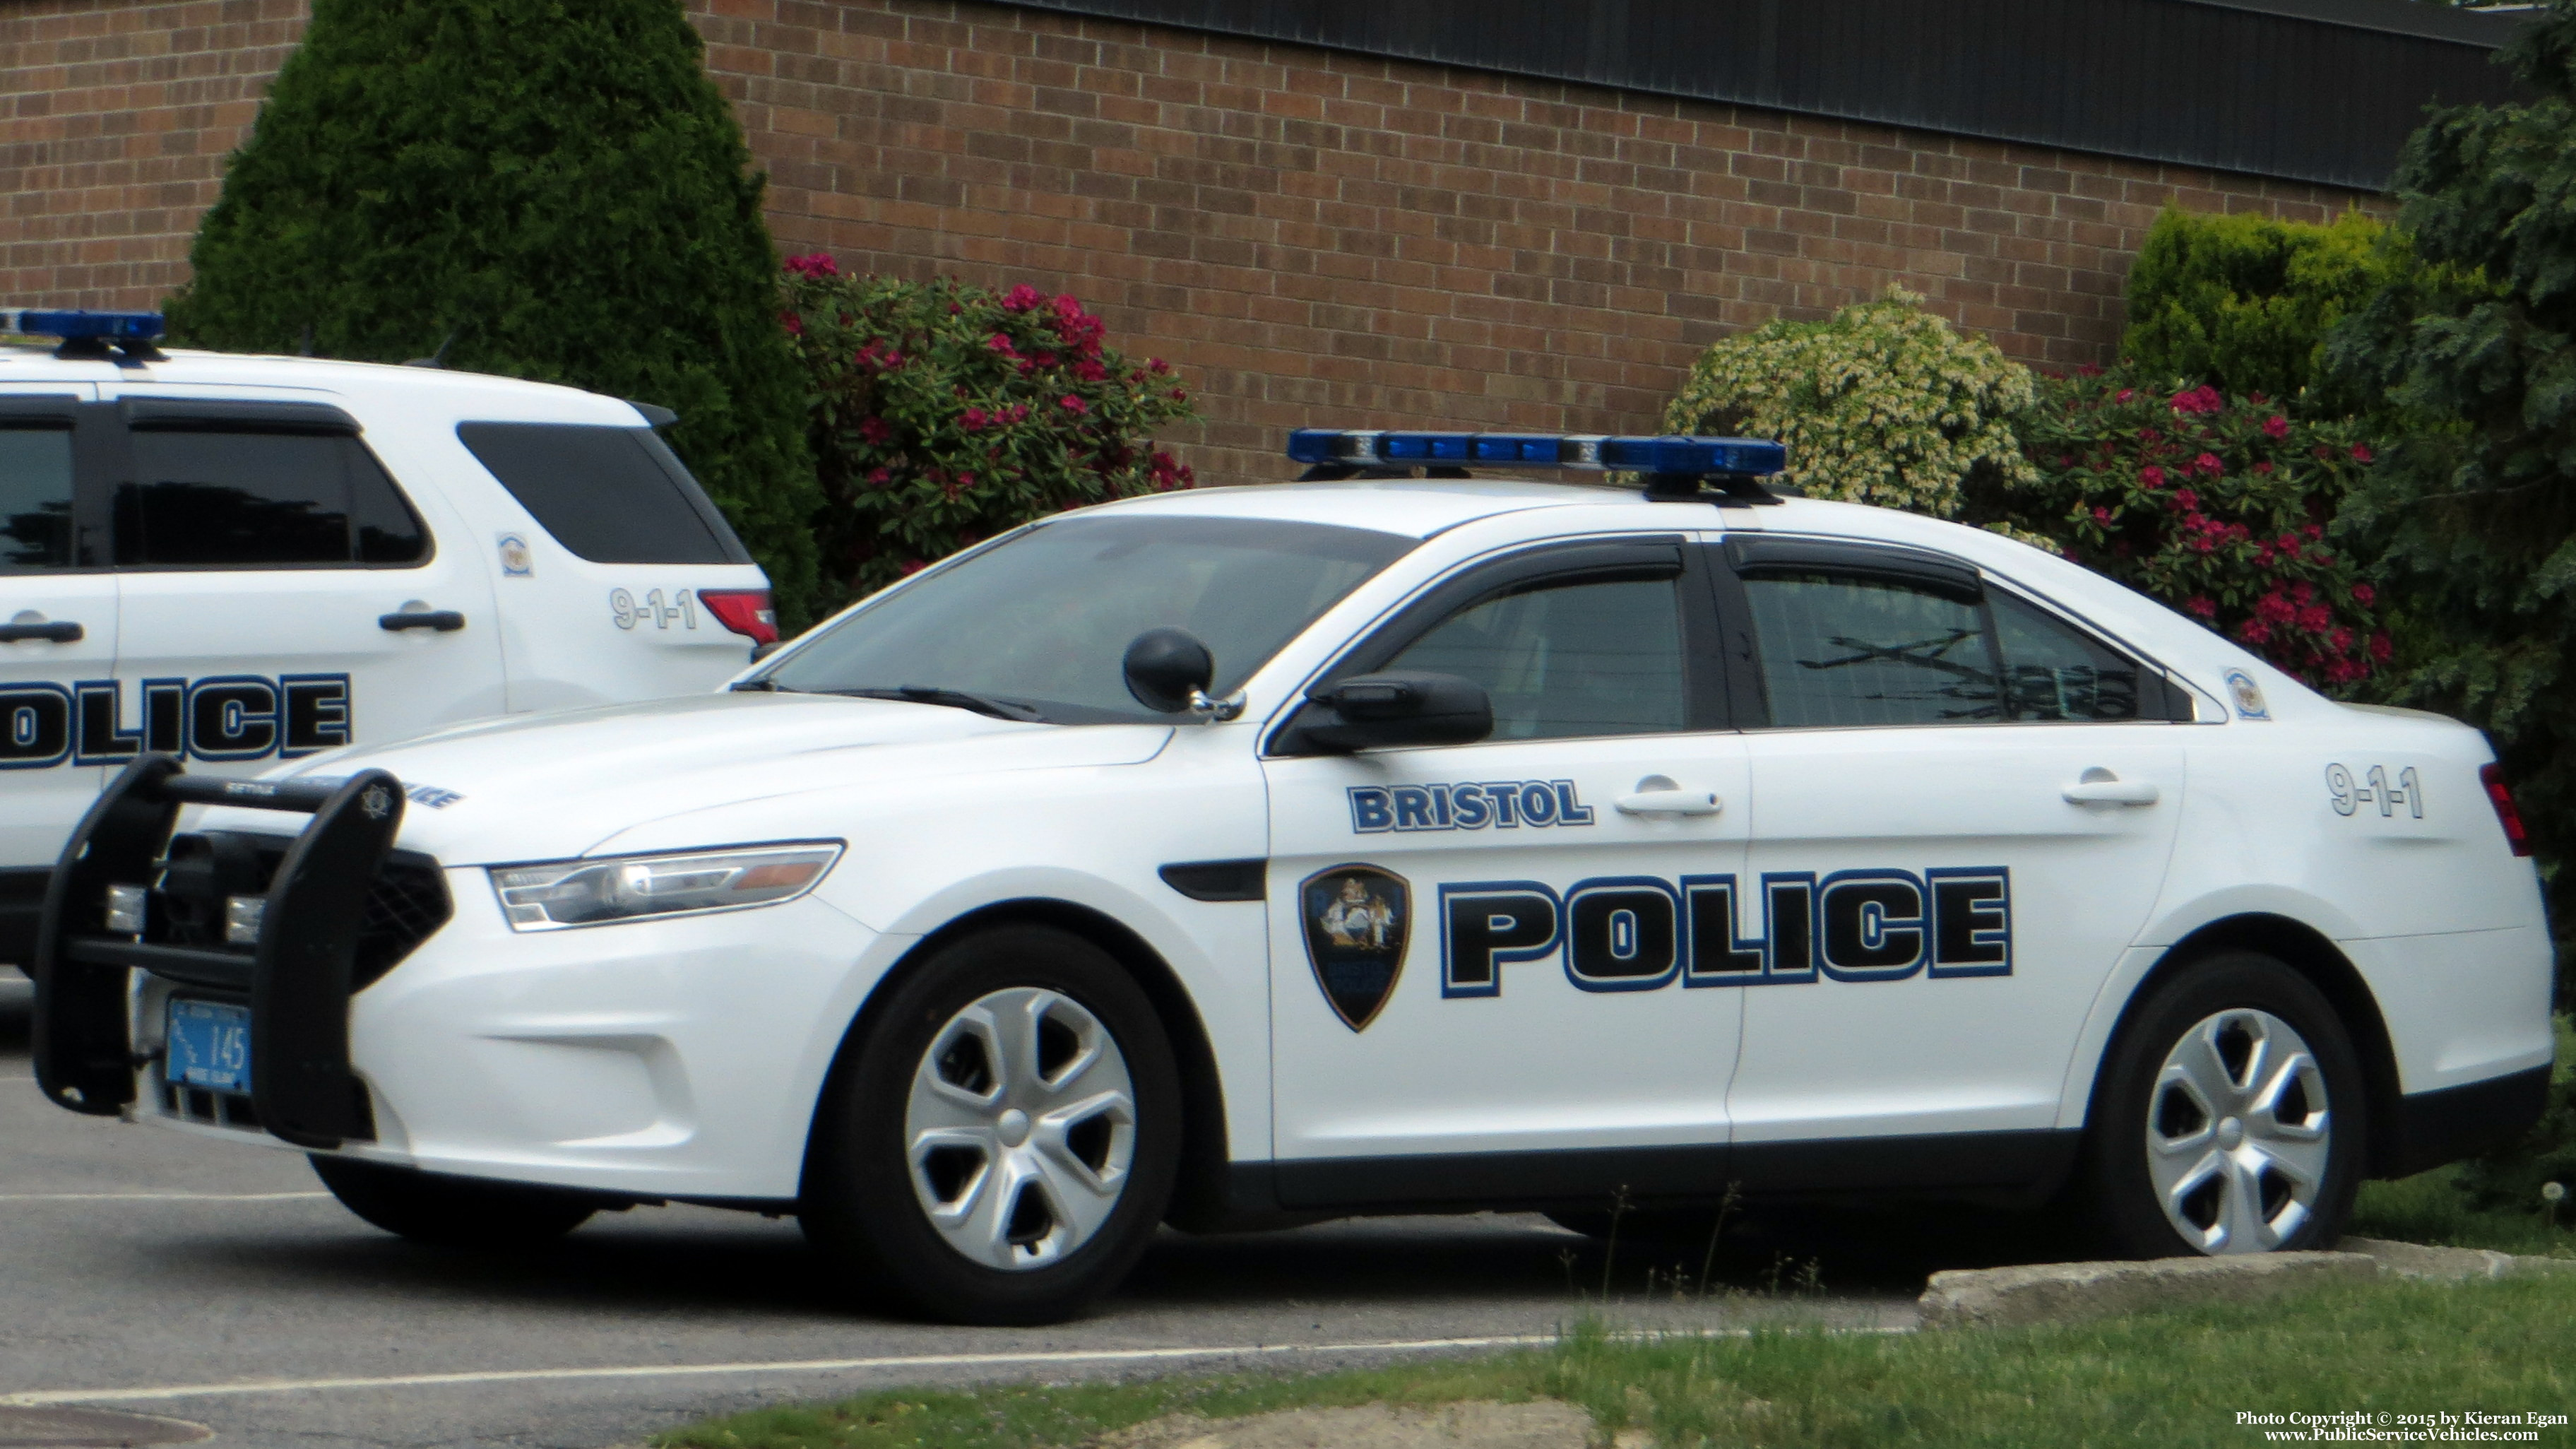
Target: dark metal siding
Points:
(2309, 90)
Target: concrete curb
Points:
(2076, 1292)
(2452, 1265)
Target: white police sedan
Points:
(1374, 844)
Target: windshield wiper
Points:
(760, 686)
(954, 698)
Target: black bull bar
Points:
(298, 977)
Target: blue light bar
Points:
(1699, 457)
(76, 326)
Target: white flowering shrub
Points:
(1884, 404)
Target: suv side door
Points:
(282, 593)
(1481, 954)
(1923, 734)
(58, 631)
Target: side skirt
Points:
(2015, 1164)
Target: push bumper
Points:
(296, 980)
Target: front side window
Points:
(1853, 649)
(230, 499)
(35, 498)
(1567, 660)
(1042, 621)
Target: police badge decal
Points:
(1356, 918)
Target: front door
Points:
(281, 593)
(58, 626)
(1482, 969)
(1959, 911)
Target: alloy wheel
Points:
(1020, 1128)
(2238, 1134)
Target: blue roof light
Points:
(69, 326)
(1670, 456)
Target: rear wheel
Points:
(2232, 1118)
(999, 1144)
(455, 1212)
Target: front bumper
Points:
(670, 1058)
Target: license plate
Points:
(210, 1045)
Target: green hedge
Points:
(556, 185)
(2243, 303)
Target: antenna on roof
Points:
(438, 358)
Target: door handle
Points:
(30, 626)
(2100, 787)
(1669, 802)
(445, 621)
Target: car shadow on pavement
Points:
(629, 1264)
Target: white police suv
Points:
(1371, 844)
(237, 560)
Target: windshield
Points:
(1043, 620)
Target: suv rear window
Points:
(609, 494)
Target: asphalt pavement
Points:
(153, 1272)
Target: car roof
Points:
(1415, 507)
(1423, 507)
(360, 381)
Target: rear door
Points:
(1963, 805)
(58, 630)
(282, 592)
(618, 578)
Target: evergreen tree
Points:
(2476, 506)
(556, 186)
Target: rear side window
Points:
(232, 498)
(35, 496)
(1860, 650)
(611, 495)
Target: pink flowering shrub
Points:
(2216, 505)
(942, 414)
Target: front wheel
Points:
(2232, 1118)
(998, 1143)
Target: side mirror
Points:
(1369, 711)
(1168, 668)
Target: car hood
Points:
(550, 786)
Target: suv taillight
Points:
(744, 611)
(2492, 776)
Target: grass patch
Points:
(2167, 1379)
(2428, 1208)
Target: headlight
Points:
(562, 893)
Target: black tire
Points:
(453, 1212)
(860, 1206)
(2224, 1002)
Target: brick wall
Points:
(115, 119)
(1313, 237)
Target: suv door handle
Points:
(31, 626)
(1669, 800)
(445, 621)
(2100, 787)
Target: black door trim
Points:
(2021, 1163)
